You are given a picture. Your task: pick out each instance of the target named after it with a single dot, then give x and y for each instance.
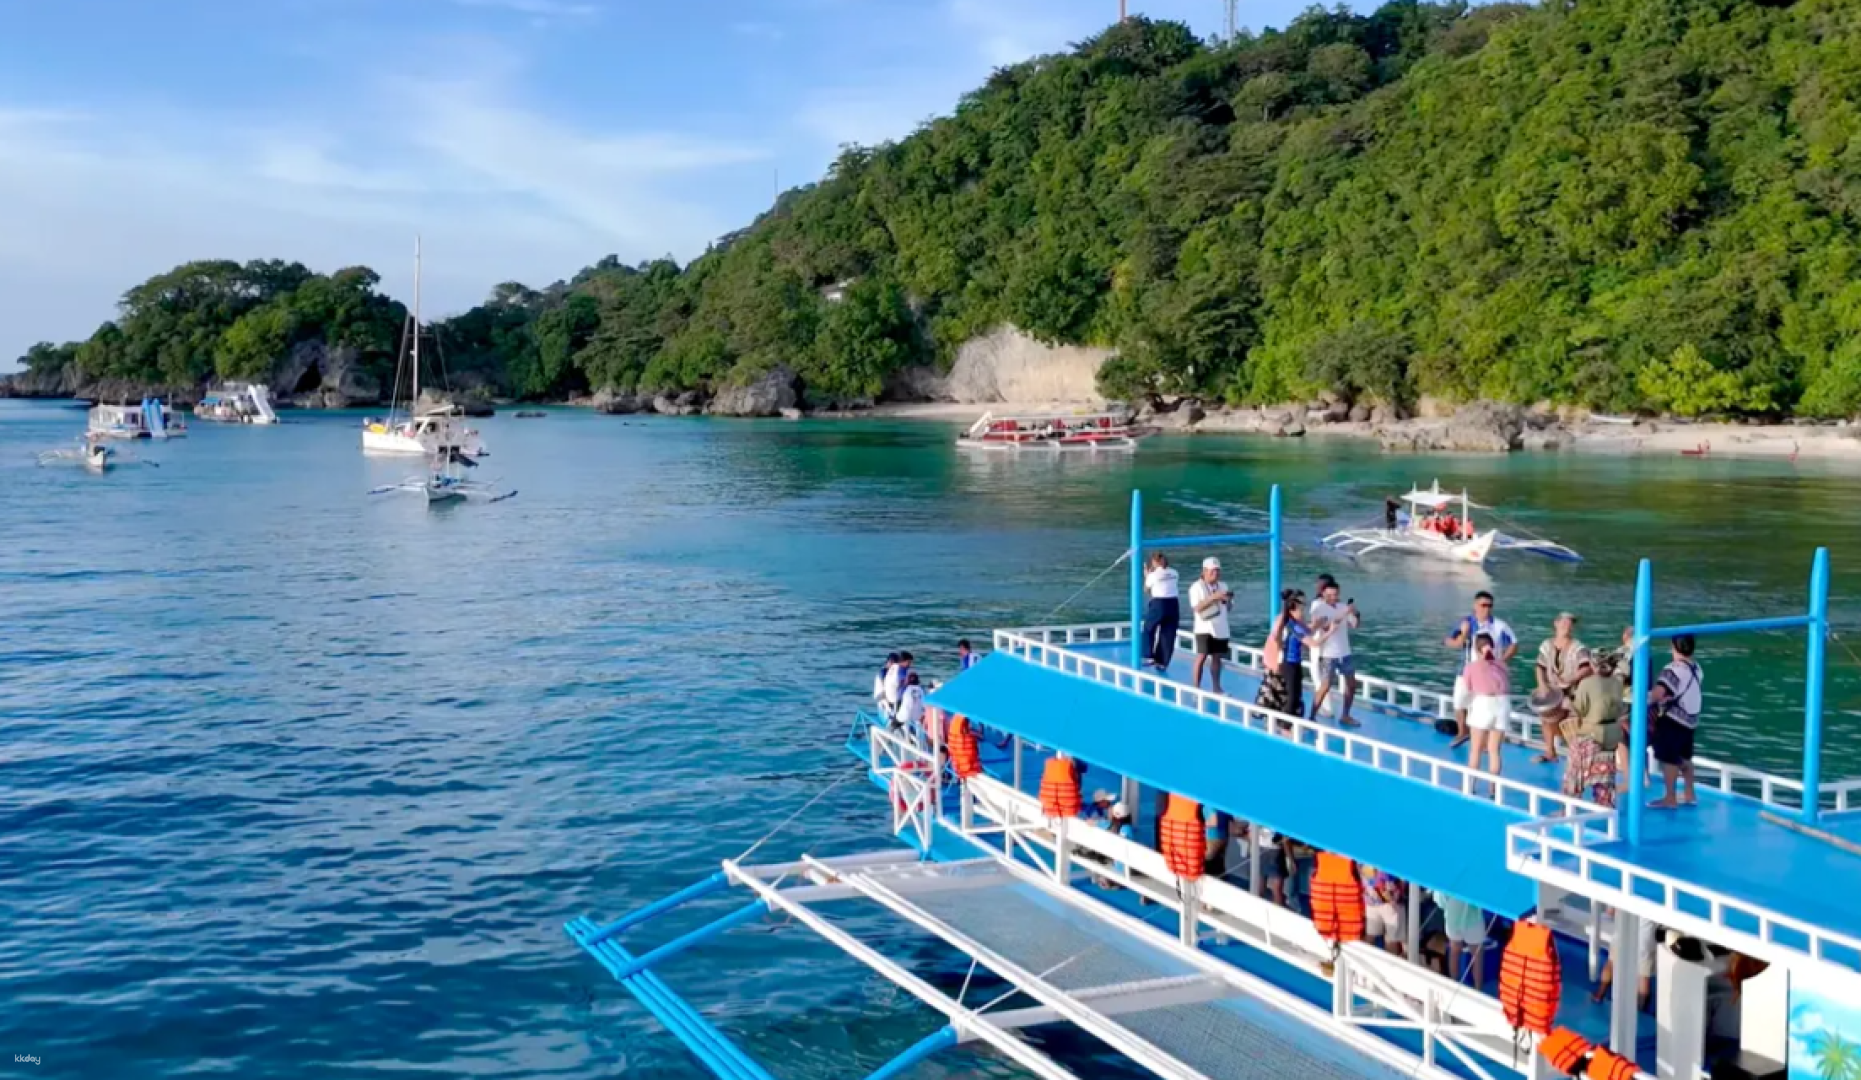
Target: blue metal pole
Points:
(747, 913)
(1812, 685)
(1273, 554)
(1208, 541)
(1739, 626)
(1137, 579)
(937, 1041)
(1638, 718)
(659, 907)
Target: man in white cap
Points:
(1209, 600)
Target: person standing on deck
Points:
(1505, 645)
(1384, 905)
(896, 679)
(1675, 704)
(1556, 675)
(1209, 600)
(965, 656)
(1489, 688)
(1334, 652)
(910, 714)
(1163, 613)
(1290, 636)
(881, 683)
(1465, 925)
(1595, 731)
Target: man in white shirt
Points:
(1466, 632)
(881, 686)
(1209, 600)
(895, 680)
(1335, 621)
(1163, 613)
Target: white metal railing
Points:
(1532, 801)
(911, 779)
(1563, 852)
(1409, 701)
(1375, 989)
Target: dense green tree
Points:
(1620, 203)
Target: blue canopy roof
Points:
(1424, 834)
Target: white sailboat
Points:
(430, 431)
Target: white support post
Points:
(1625, 964)
(1596, 940)
(1018, 756)
(1191, 915)
(1254, 880)
(1413, 946)
(1128, 794)
(1062, 851)
(1680, 1021)
(967, 800)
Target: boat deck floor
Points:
(1723, 845)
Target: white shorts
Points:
(1382, 921)
(1461, 696)
(1487, 712)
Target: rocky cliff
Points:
(1008, 365)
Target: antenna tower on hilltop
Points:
(1233, 22)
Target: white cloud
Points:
(93, 203)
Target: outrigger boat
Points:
(1054, 431)
(1188, 975)
(237, 403)
(438, 429)
(92, 453)
(443, 483)
(1426, 523)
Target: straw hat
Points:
(1543, 701)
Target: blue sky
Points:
(523, 139)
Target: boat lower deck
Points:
(1577, 1011)
(1728, 850)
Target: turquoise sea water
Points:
(297, 782)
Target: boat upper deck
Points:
(1725, 870)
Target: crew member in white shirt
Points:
(1210, 600)
(896, 680)
(1163, 613)
(911, 703)
(1335, 621)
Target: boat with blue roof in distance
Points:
(1185, 966)
(149, 420)
(237, 403)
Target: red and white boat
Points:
(1054, 431)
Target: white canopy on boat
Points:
(1435, 499)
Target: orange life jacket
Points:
(965, 754)
(1608, 1065)
(1059, 789)
(1530, 978)
(1185, 841)
(1337, 899)
(1564, 1050)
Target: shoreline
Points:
(1819, 442)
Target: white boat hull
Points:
(1049, 446)
(1365, 541)
(394, 439)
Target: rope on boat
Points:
(785, 822)
(1115, 564)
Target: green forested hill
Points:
(1620, 203)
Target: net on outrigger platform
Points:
(1175, 1011)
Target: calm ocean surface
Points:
(295, 782)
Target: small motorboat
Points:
(1439, 523)
(93, 454)
(443, 483)
(237, 403)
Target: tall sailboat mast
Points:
(414, 405)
